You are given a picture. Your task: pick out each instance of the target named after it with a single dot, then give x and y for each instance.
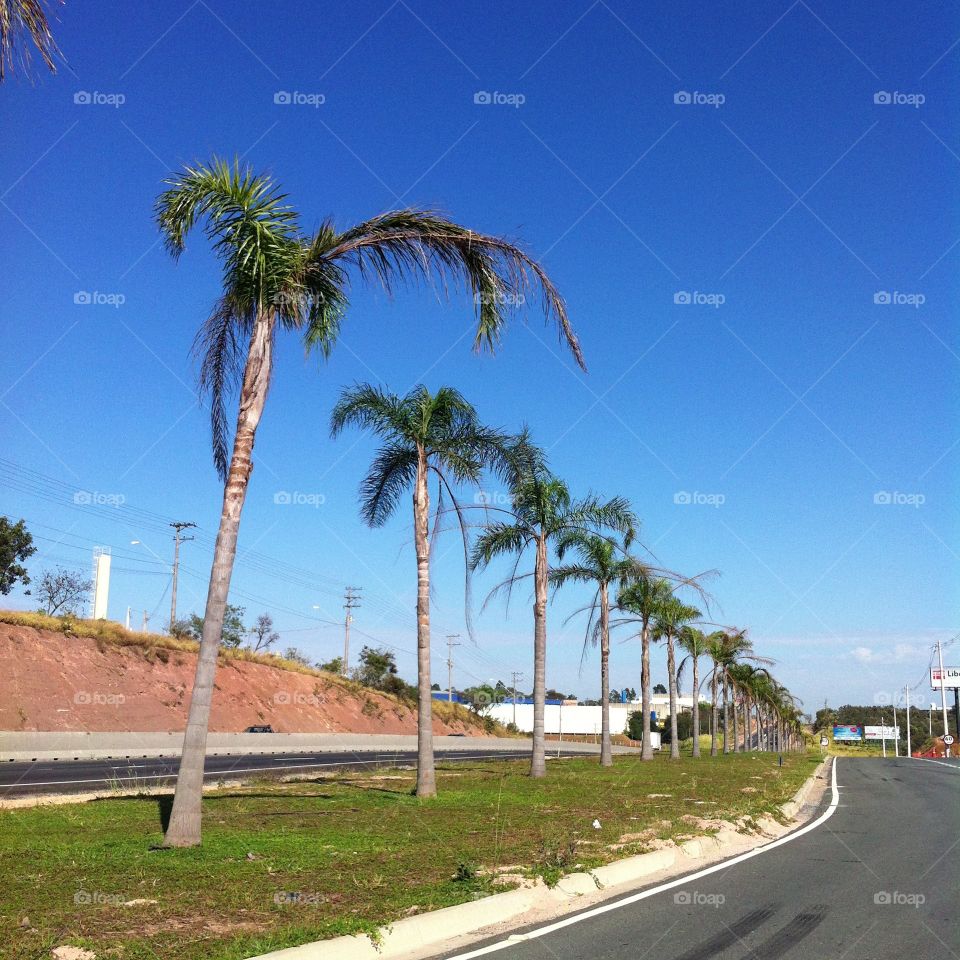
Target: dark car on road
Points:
(259, 728)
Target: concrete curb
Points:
(417, 935)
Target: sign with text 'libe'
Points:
(950, 677)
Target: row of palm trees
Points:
(438, 441)
(278, 279)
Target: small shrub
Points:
(466, 872)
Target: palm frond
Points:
(392, 472)
(21, 20)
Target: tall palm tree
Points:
(696, 644)
(601, 563)
(639, 601)
(22, 20)
(275, 278)
(425, 436)
(670, 617)
(542, 511)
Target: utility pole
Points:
(906, 692)
(143, 629)
(178, 527)
(451, 643)
(351, 600)
(128, 618)
(515, 676)
(896, 739)
(943, 689)
(883, 739)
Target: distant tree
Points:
(16, 545)
(635, 725)
(62, 591)
(659, 688)
(183, 629)
(434, 686)
(297, 656)
(233, 628)
(557, 695)
(376, 664)
(262, 634)
(332, 666)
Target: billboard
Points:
(881, 733)
(951, 675)
(848, 732)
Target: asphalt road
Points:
(77, 776)
(879, 879)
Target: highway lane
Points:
(78, 776)
(876, 879)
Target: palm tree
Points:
(670, 617)
(20, 20)
(424, 436)
(541, 512)
(696, 643)
(274, 278)
(602, 564)
(640, 600)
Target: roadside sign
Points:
(882, 733)
(949, 677)
(824, 742)
(948, 739)
(847, 732)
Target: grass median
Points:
(286, 863)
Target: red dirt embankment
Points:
(53, 681)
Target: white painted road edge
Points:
(942, 763)
(653, 891)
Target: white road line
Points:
(943, 763)
(653, 891)
(231, 770)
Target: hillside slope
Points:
(51, 680)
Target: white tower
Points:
(101, 582)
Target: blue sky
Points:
(812, 374)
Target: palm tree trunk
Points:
(538, 764)
(696, 707)
(735, 729)
(672, 685)
(184, 827)
(726, 715)
(646, 751)
(714, 715)
(746, 722)
(426, 775)
(606, 751)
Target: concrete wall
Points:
(129, 746)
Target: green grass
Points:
(356, 851)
